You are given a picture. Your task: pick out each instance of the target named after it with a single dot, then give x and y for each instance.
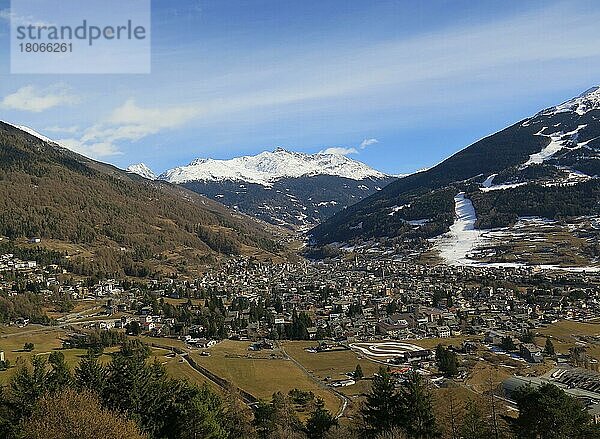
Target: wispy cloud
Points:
(339, 150)
(367, 142)
(35, 100)
(21, 20)
(128, 123)
(433, 69)
(58, 129)
(95, 150)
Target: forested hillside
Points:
(52, 193)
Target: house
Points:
(495, 337)
(442, 331)
(204, 343)
(414, 356)
(531, 353)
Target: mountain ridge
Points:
(291, 189)
(558, 146)
(266, 167)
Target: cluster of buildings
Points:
(345, 300)
(8, 262)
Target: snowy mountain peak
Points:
(142, 170)
(268, 167)
(586, 101)
(198, 161)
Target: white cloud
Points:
(368, 142)
(58, 129)
(92, 150)
(339, 150)
(22, 20)
(35, 100)
(457, 65)
(128, 123)
(132, 122)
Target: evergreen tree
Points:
(548, 412)
(549, 348)
(381, 407)
(447, 361)
(416, 408)
(60, 374)
(320, 421)
(358, 373)
(90, 374)
(527, 337)
(264, 419)
(27, 386)
(508, 344)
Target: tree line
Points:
(132, 397)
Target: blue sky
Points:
(234, 78)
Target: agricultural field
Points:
(45, 341)
(177, 368)
(568, 333)
(261, 373)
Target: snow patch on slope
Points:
(501, 187)
(456, 245)
(557, 143)
(267, 167)
(489, 181)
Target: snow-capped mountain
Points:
(268, 167)
(282, 187)
(587, 101)
(546, 166)
(142, 170)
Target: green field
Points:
(261, 373)
(45, 340)
(567, 333)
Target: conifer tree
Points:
(380, 410)
(90, 373)
(358, 373)
(60, 374)
(416, 407)
(320, 421)
(549, 348)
